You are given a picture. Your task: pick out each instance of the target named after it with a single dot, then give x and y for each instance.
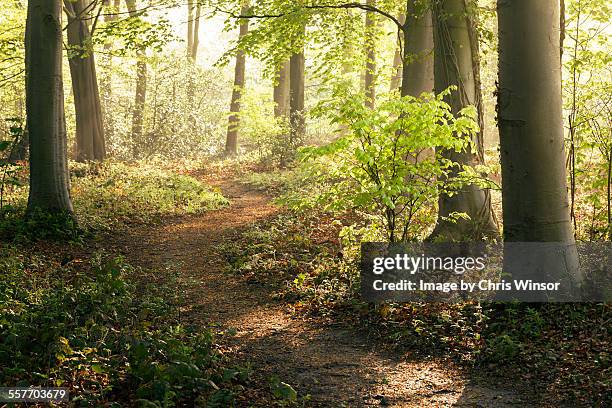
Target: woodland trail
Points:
(336, 365)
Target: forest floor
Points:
(328, 365)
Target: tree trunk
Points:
(456, 62)
(46, 122)
(418, 64)
(196, 33)
(370, 56)
(535, 203)
(530, 123)
(89, 128)
(231, 143)
(396, 73)
(106, 79)
(296, 99)
(281, 91)
(140, 96)
(189, 27)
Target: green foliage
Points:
(134, 33)
(282, 390)
(111, 195)
(122, 338)
(587, 88)
(178, 122)
(9, 171)
(12, 56)
(261, 132)
(383, 163)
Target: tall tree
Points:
(370, 57)
(534, 194)
(89, 127)
(193, 29)
(106, 79)
(296, 98)
(456, 62)
(49, 179)
(281, 91)
(231, 143)
(535, 205)
(418, 63)
(140, 96)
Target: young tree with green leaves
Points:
(140, 95)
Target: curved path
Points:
(335, 365)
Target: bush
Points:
(383, 164)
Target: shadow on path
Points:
(335, 365)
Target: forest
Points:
(205, 203)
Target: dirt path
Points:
(334, 365)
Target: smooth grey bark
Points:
(193, 29)
(196, 33)
(418, 65)
(530, 119)
(281, 91)
(531, 123)
(370, 57)
(106, 79)
(296, 98)
(90, 144)
(231, 143)
(189, 27)
(140, 96)
(46, 122)
(456, 62)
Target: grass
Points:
(113, 195)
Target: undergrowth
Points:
(111, 195)
(110, 338)
(562, 350)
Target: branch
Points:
(365, 7)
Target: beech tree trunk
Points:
(456, 62)
(106, 79)
(296, 99)
(531, 123)
(370, 56)
(140, 96)
(89, 127)
(46, 122)
(189, 27)
(535, 202)
(418, 65)
(231, 143)
(281, 91)
(196, 33)
(193, 29)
